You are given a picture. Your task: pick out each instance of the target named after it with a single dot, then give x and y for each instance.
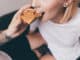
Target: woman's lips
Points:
(38, 10)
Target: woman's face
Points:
(48, 6)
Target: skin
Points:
(48, 57)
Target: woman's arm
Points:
(39, 46)
(4, 37)
(47, 57)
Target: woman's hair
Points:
(70, 11)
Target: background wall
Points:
(7, 6)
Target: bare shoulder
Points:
(35, 40)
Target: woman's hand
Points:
(16, 27)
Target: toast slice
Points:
(29, 15)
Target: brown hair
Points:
(70, 11)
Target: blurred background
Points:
(7, 6)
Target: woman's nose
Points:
(35, 3)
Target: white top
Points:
(63, 39)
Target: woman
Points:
(58, 28)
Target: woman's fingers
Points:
(16, 19)
(16, 27)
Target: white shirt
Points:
(62, 39)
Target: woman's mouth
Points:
(40, 11)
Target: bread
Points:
(29, 15)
